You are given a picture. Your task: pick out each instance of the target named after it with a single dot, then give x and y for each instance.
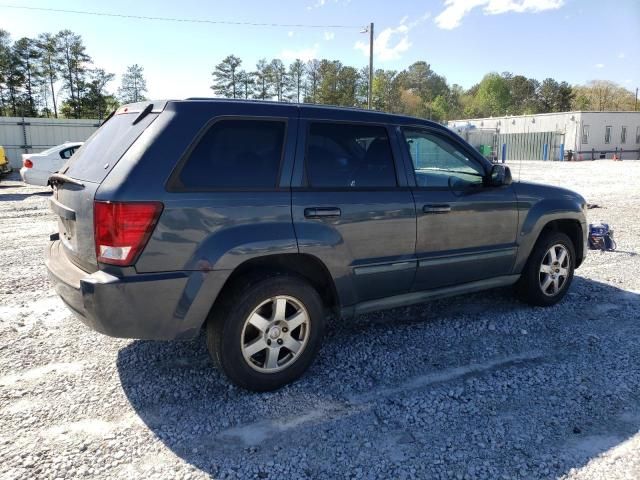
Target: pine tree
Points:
(278, 78)
(134, 86)
(50, 63)
(261, 75)
(25, 58)
(76, 61)
(225, 77)
(246, 84)
(295, 81)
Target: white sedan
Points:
(38, 167)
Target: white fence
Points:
(27, 135)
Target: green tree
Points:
(362, 90)
(493, 97)
(262, 89)
(277, 77)
(225, 77)
(8, 96)
(327, 93)
(313, 81)
(98, 102)
(50, 63)
(554, 96)
(347, 87)
(386, 91)
(75, 67)
(524, 96)
(26, 61)
(246, 84)
(133, 86)
(603, 95)
(295, 81)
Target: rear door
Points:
(466, 229)
(74, 192)
(352, 208)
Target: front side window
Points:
(438, 163)
(637, 134)
(349, 156)
(623, 135)
(241, 154)
(585, 134)
(607, 134)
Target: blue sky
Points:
(572, 40)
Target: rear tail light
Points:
(122, 229)
(27, 163)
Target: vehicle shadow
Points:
(482, 385)
(18, 197)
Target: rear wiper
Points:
(60, 178)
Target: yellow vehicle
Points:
(4, 162)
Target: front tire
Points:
(549, 270)
(266, 333)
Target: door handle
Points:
(436, 208)
(322, 212)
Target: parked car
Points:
(38, 167)
(5, 166)
(256, 219)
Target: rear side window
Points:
(236, 154)
(349, 156)
(95, 159)
(67, 152)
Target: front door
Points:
(466, 229)
(351, 211)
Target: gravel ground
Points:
(464, 388)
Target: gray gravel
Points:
(464, 388)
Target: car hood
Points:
(541, 191)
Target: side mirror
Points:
(500, 175)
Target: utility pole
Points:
(635, 109)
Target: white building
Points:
(585, 134)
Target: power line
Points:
(180, 20)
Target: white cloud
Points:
(304, 54)
(392, 42)
(290, 34)
(621, 55)
(329, 36)
(599, 65)
(322, 3)
(455, 10)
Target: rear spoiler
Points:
(141, 108)
(156, 106)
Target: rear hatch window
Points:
(103, 149)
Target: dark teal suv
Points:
(257, 219)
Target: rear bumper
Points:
(34, 177)
(152, 306)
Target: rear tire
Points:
(265, 333)
(549, 270)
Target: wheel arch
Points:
(306, 266)
(572, 227)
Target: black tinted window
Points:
(236, 154)
(342, 155)
(105, 147)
